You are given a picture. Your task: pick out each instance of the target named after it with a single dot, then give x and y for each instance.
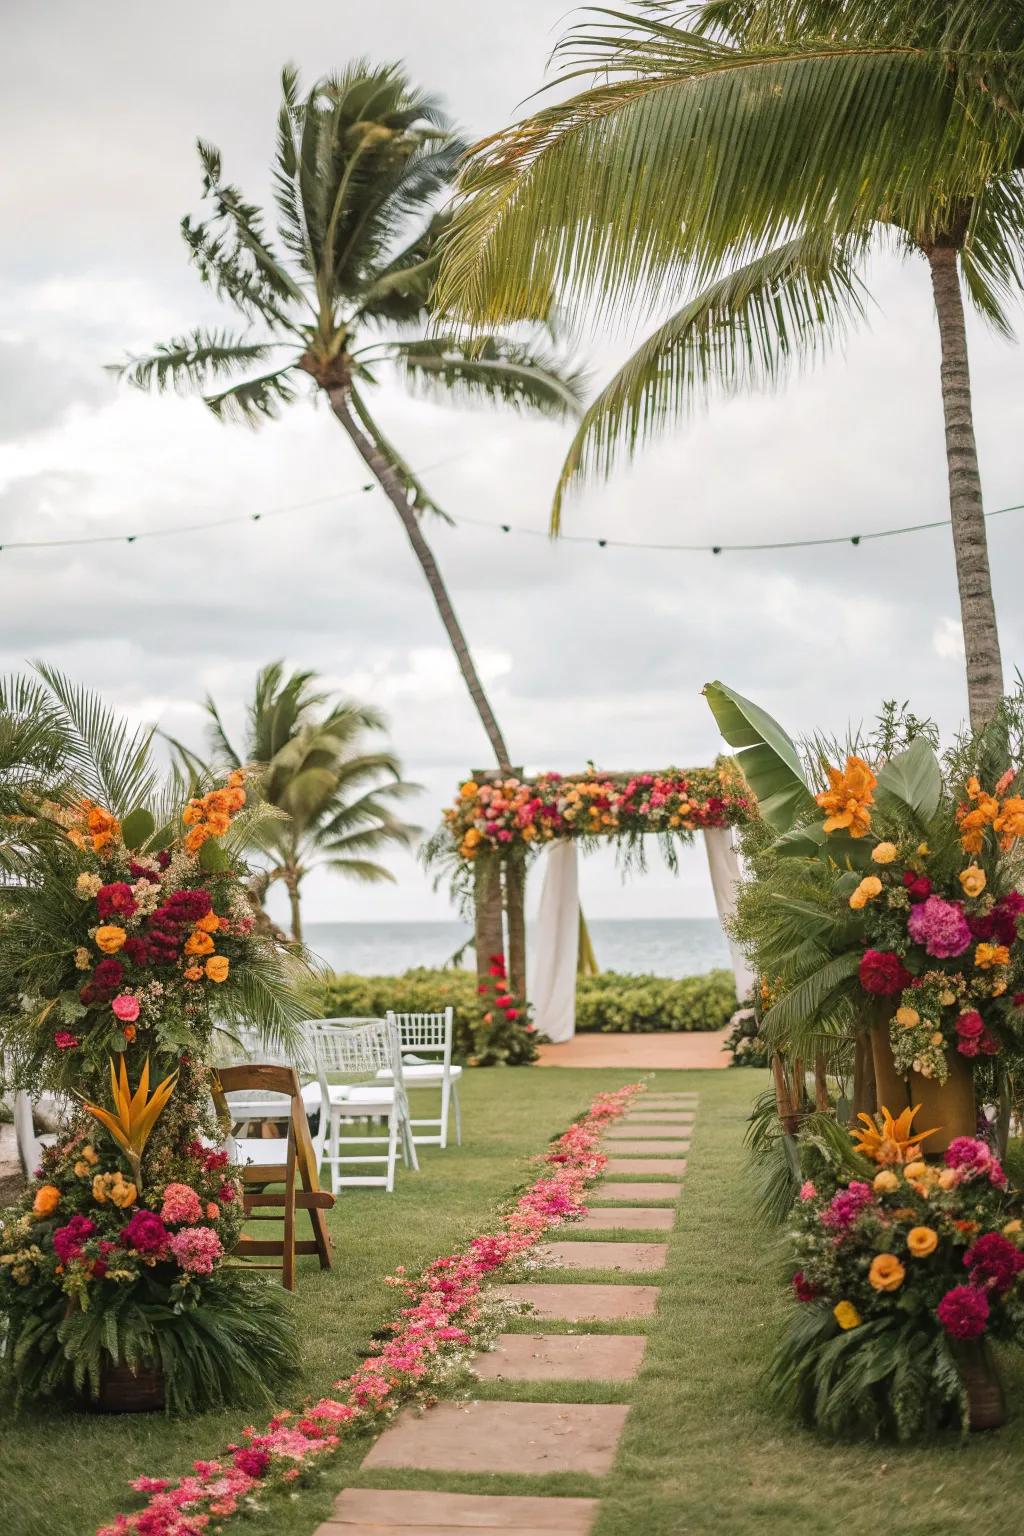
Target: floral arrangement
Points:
(503, 1031)
(445, 1317)
(132, 944)
(497, 815)
(938, 916)
(901, 1264)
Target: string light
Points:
(178, 530)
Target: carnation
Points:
(108, 973)
(883, 973)
(846, 1205)
(69, 1241)
(963, 1312)
(196, 1249)
(994, 1261)
(115, 900)
(126, 1008)
(252, 1462)
(940, 926)
(181, 1205)
(145, 1233)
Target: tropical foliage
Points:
(344, 294)
(335, 792)
(753, 155)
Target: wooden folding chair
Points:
(276, 1160)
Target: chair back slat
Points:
(419, 1032)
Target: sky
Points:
(588, 653)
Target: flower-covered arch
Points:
(498, 820)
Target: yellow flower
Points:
(134, 1114)
(468, 790)
(115, 1188)
(86, 886)
(217, 968)
(915, 1170)
(894, 1141)
(988, 955)
(947, 1178)
(110, 938)
(846, 1314)
(83, 959)
(886, 1272)
(869, 888)
(907, 1017)
(922, 1241)
(1013, 1229)
(847, 798)
(884, 853)
(972, 879)
(923, 850)
(885, 1183)
(47, 1200)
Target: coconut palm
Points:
(360, 164)
(337, 795)
(752, 152)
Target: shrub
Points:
(604, 1004)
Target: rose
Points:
(116, 900)
(217, 968)
(883, 973)
(886, 1272)
(126, 1008)
(922, 1241)
(972, 879)
(970, 1025)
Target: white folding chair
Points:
(360, 1049)
(31, 1143)
(424, 1035)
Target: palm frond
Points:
(253, 401)
(742, 333)
(111, 763)
(192, 362)
(490, 369)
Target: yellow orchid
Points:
(895, 1141)
(134, 1115)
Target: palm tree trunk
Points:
(393, 489)
(296, 911)
(977, 609)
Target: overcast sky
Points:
(588, 653)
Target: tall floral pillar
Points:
(489, 937)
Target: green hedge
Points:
(604, 1004)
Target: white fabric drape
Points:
(724, 864)
(553, 990)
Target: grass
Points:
(64, 1473)
(700, 1451)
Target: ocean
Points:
(657, 947)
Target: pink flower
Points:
(252, 1463)
(807, 1190)
(940, 926)
(126, 1008)
(196, 1250)
(69, 1242)
(145, 1232)
(64, 1041)
(970, 1025)
(963, 1312)
(846, 1205)
(181, 1205)
(994, 1263)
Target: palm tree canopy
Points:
(337, 795)
(750, 150)
(361, 163)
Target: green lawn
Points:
(700, 1452)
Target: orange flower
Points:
(130, 1032)
(210, 923)
(212, 1211)
(199, 943)
(886, 1272)
(194, 973)
(110, 938)
(217, 967)
(922, 1241)
(973, 822)
(1010, 821)
(894, 1141)
(847, 798)
(103, 826)
(47, 1200)
(196, 838)
(988, 955)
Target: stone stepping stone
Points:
(562, 1357)
(645, 1100)
(584, 1303)
(653, 1147)
(523, 1438)
(671, 1167)
(401, 1512)
(609, 1190)
(626, 1257)
(664, 1116)
(658, 1218)
(644, 1129)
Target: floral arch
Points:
(498, 821)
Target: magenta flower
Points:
(846, 1205)
(126, 1008)
(963, 1312)
(69, 1242)
(940, 926)
(145, 1233)
(994, 1262)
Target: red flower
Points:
(511, 1013)
(803, 1290)
(919, 886)
(883, 973)
(252, 1463)
(137, 950)
(963, 1312)
(109, 973)
(65, 1041)
(994, 1263)
(116, 900)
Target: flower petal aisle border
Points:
(443, 1318)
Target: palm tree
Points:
(335, 795)
(754, 151)
(360, 164)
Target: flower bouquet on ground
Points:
(906, 1270)
(126, 943)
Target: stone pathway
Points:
(494, 1436)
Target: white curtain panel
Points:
(724, 864)
(553, 989)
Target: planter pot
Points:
(951, 1106)
(123, 1390)
(986, 1401)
